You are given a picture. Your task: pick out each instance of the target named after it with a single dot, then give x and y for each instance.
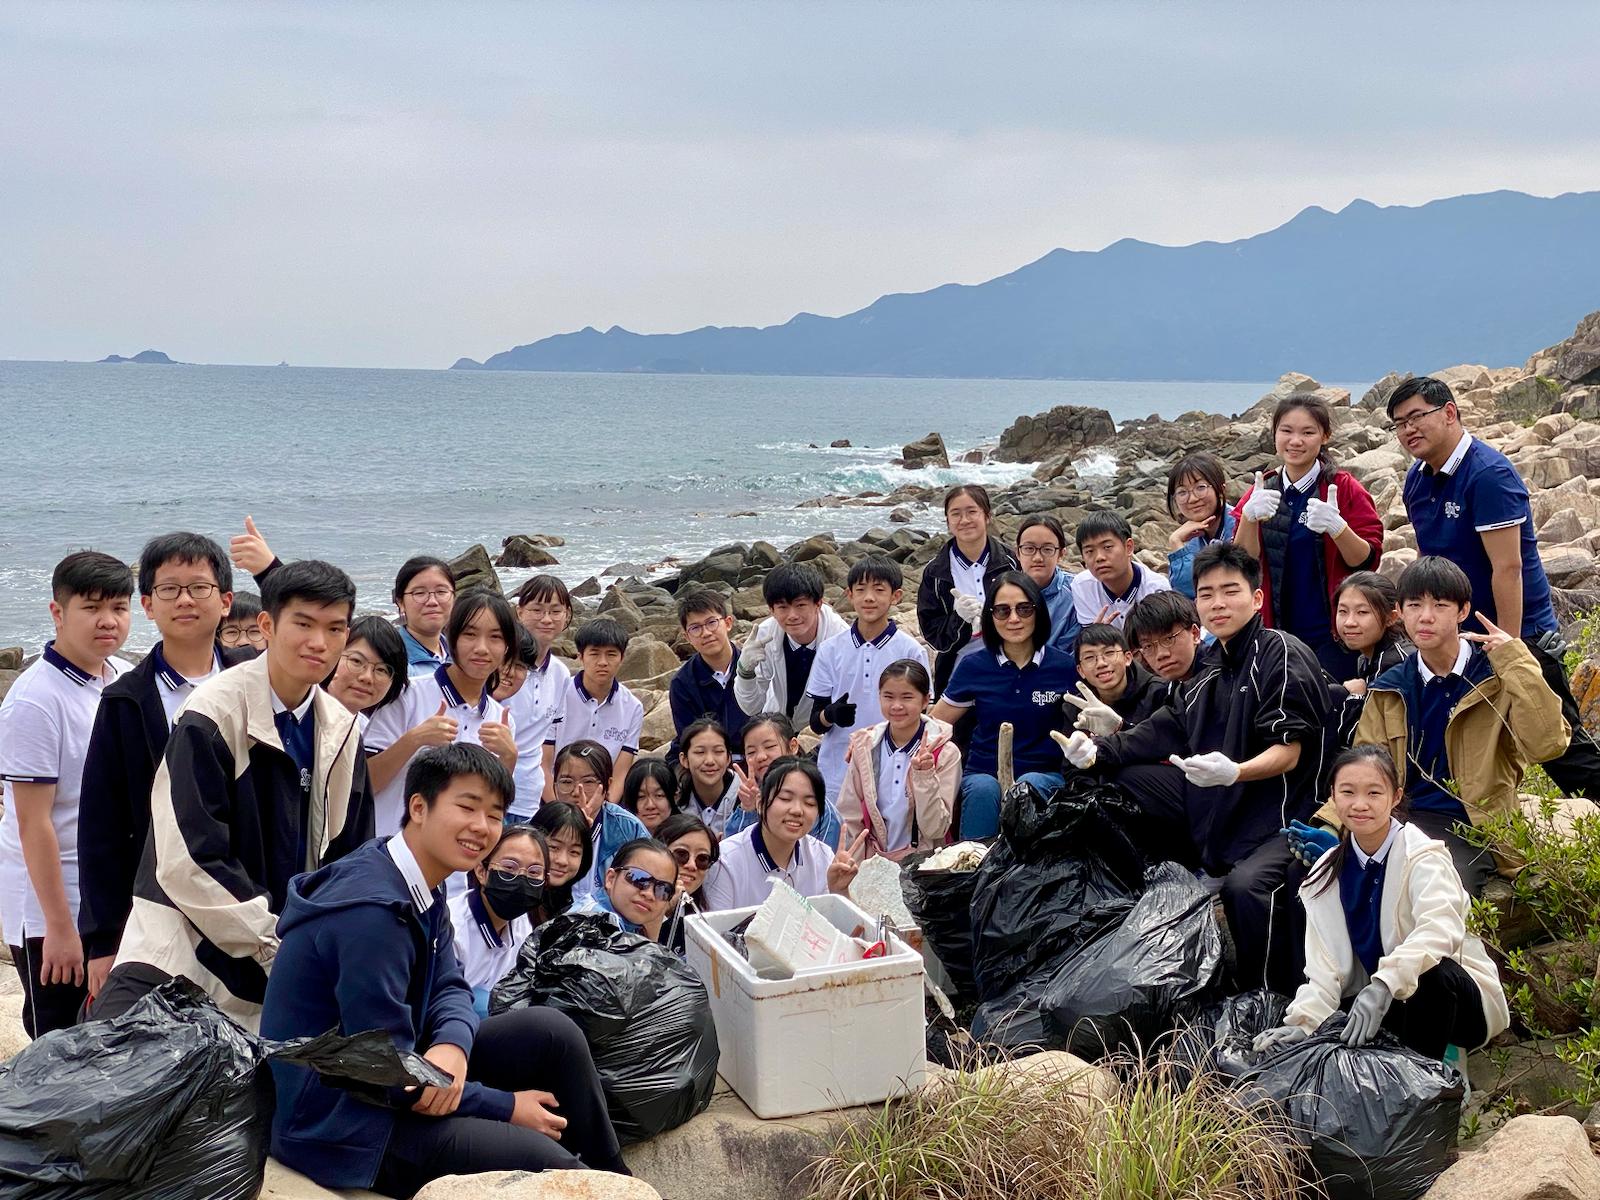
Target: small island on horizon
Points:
(144, 356)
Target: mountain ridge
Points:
(1475, 278)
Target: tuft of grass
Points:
(1006, 1133)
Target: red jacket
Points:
(1355, 506)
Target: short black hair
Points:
(91, 574)
(1435, 578)
(875, 568)
(432, 770)
(527, 651)
(1101, 522)
(1158, 613)
(592, 755)
(1100, 634)
(1046, 521)
(1228, 556)
(1436, 392)
(650, 768)
(385, 641)
(788, 582)
(631, 850)
(1030, 589)
(781, 769)
(415, 566)
(183, 548)
(309, 579)
(700, 600)
(602, 633)
(245, 607)
(1200, 464)
(544, 588)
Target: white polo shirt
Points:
(615, 722)
(415, 705)
(967, 574)
(175, 689)
(534, 708)
(848, 665)
(45, 722)
(484, 956)
(741, 877)
(893, 775)
(1089, 595)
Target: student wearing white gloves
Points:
(1386, 933)
(950, 596)
(775, 662)
(1310, 525)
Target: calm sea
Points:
(366, 467)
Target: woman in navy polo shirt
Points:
(1017, 677)
(1310, 525)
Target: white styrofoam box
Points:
(828, 1037)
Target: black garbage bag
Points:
(1218, 1038)
(1057, 861)
(169, 1101)
(1379, 1120)
(1123, 990)
(642, 1009)
(941, 904)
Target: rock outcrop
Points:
(1067, 429)
(1528, 1158)
(925, 452)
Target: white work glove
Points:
(757, 647)
(1207, 770)
(1094, 714)
(1283, 1035)
(1322, 516)
(1263, 503)
(968, 608)
(1079, 749)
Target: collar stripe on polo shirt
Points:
(878, 642)
(480, 916)
(56, 660)
(955, 552)
(768, 863)
(583, 692)
(454, 698)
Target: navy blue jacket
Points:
(125, 748)
(695, 693)
(355, 954)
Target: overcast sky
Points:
(399, 185)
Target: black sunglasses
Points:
(641, 879)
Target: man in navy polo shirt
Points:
(1469, 505)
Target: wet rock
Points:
(839, 444)
(522, 552)
(925, 452)
(474, 569)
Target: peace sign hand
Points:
(923, 759)
(749, 789)
(1491, 641)
(1095, 716)
(846, 865)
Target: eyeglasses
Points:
(702, 861)
(418, 595)
(1401, 424)
(1024, 610)
(1092, 659)
(568, 786)
(233, 635)
(361, 665)
(703, 627)
(1167, 643)
(509, 874)
(1029, 550)
(641, 880)
(197, 591)
(1194, 491)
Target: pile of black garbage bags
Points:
(1066, 938)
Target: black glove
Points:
(840, 712)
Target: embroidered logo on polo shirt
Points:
(1046, 697)
(1452, 509)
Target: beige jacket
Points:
(933, 790)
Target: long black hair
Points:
(1326, 874)
(468, 606)
(552, 818)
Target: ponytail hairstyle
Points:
(1326, 873)
(910, 670)
(1381, 593)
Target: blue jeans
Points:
(980, 800)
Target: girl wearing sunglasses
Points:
(491, 918)
(1018, 678)
(640, 883)
(696, 851)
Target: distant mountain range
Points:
(144, 356)
(1346, 295)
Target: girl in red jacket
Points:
(1310, 524)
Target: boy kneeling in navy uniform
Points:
(365, 944)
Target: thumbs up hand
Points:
(249, 550)
(1263, 502)
(437, 730)
(498, 739)
(1322, 516)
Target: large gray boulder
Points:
(1530, 1158)
(1067, 429)
(925, 452)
